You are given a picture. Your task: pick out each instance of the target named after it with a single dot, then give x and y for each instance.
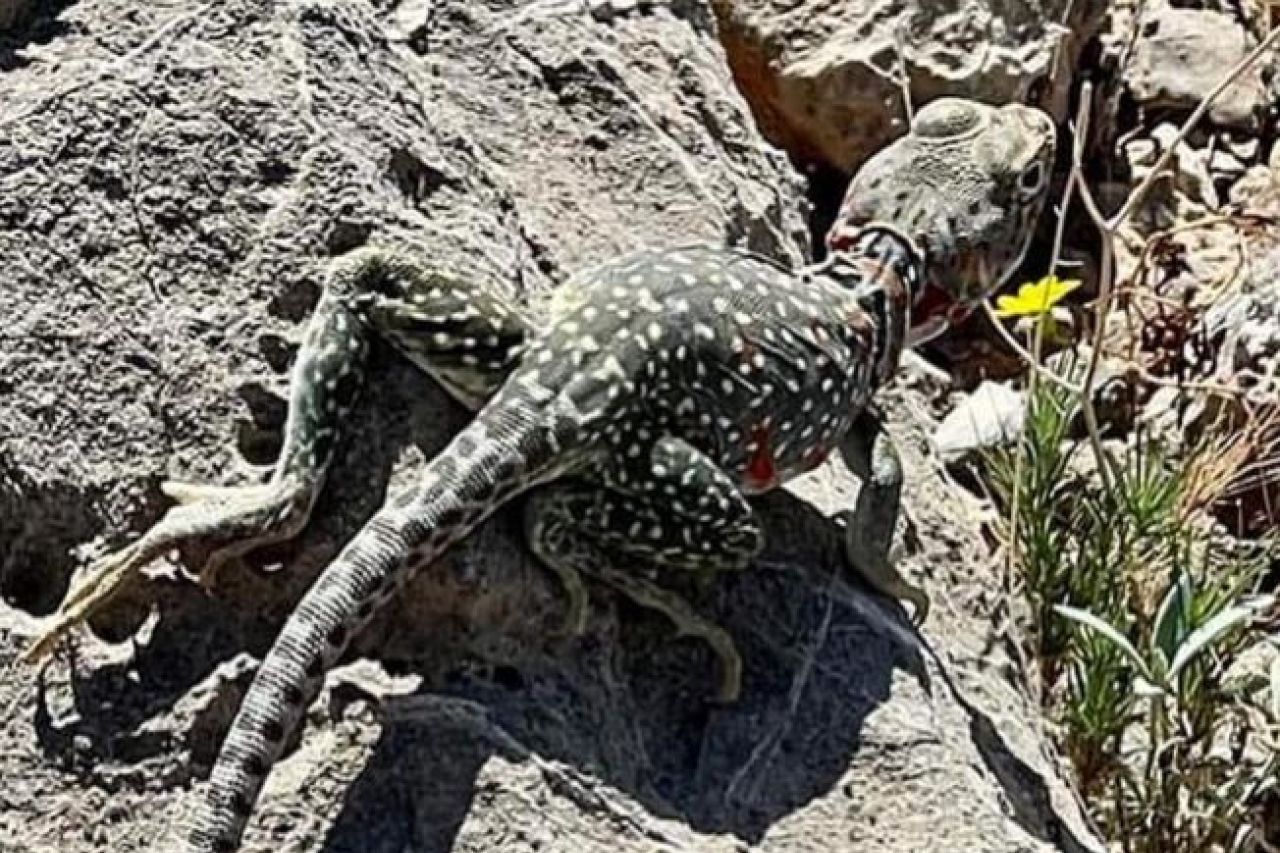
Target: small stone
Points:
(1225, 163)
(1255, 181)
(1141, 151)
(992, 415)
(1244, 148)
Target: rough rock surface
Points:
(172, 175)
(823, 77)
(1241, 326)
(1180, 55)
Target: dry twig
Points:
(1108, 228)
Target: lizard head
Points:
(966, 185)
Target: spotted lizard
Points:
(659, 392)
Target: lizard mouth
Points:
(932, 302)
(938, 309)
(934, 313)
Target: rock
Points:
(823, 77)
(1191, 166)
(1189, 195)
(991, 416)
(1244, 327)
(1181, 54)
(1224, 164)
(1255, 181)
(163, 224)
(1244, 148)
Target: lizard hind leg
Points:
(461, 333)
(678, 512)
(237, 519)
(234, 520)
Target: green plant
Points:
(1142, 612)
(1139, 606)
(1189, 774)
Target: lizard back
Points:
(761, 368)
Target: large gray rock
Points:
(1181, 54)
(171, 178)
(823, 77)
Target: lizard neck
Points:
(883, 272)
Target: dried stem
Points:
(1081, 135)
(1230, 77)
(1108, 228)
(1036, 367)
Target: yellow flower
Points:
(1035, 299)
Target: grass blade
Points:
(1088, 620)
(1211, 631)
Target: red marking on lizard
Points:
(815, 456)
(761, 471)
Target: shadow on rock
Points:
(40, 24)
(633, 715)
(39, 523)
(185, 632)
(625, 707)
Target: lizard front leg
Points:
(460, 332)
(670, 509)
(869, 452)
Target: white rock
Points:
(992, 415)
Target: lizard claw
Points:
(243, 517)
(725, 650)
(904, 590)
(578, 611)
(100, 583)
(919, 602)
(884, 577)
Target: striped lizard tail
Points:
(516, 442)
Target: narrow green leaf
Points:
(1210, 632)
(1171, 618)
(1119, 640)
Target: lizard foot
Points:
(724, 648)
(687, 620)
(881, 573)
(236, 518)
(579, 600)
(888, 581)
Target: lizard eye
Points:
(1032, 177)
